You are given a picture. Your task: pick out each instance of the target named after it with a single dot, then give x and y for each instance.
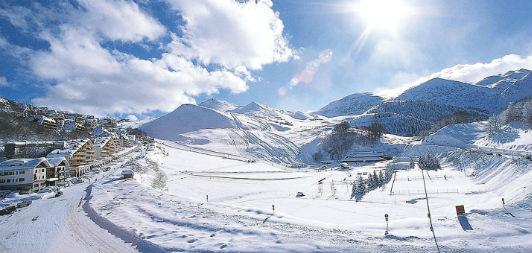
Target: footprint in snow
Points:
(192, 240)
(223, 246)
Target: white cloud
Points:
(119, 20)
(231, 33)
(3, 81)
(472, 73)
(469, 73)
(88, 78)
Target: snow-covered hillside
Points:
(218, 105)
(501, 81)
(353, 104)
(490, 98)
(184, 119)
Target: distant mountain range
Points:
(492, 94)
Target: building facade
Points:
(24, 174)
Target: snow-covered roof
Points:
(127, 172)
(21, 164)
(71, 148)
(55, 161)
(101, 141)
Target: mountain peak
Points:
(354, 104)
(219, 105)
(186, 118)
(508, 77)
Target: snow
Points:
(508, 77)
(184, 119)
(56, 225)
(220, 179)
(218, 105)
(353, 104)
(238, 215)
(300, 115)
(165, 207)
(459, 135)
(488, 98)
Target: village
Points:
(41, 166)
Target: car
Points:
(324, 167)
(300, 194)
(76, 180)
(58, 194)
(47, 189)
(64, 184)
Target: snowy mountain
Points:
(259, 110)
(186, 118)
(491, 98)
(508, 77)
(353, 104)
(301, 115)
(218, 105)
(517, 90)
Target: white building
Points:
(24, 174)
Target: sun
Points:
(385, 15)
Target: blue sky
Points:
(148, 57)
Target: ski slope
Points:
(239, 215)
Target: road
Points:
(57, 225)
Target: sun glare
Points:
(382, 14)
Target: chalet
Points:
(57, 173)
(127, 174)
(78, 153)
(24, 174)
(44, 121)
(105, 147)
(72, 125)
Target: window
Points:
(2, 181)
(23, 172)
(42, 170)
(21, 179)
(8, 181)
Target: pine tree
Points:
(359, 188)
(381, 178)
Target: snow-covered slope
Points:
(300, 115)
(518, 90)
(186, 118)
(407, 118)
(508, 77)
(219, 105)
(353, 104)
(256, 109)
(452, 93)
(492, 98)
